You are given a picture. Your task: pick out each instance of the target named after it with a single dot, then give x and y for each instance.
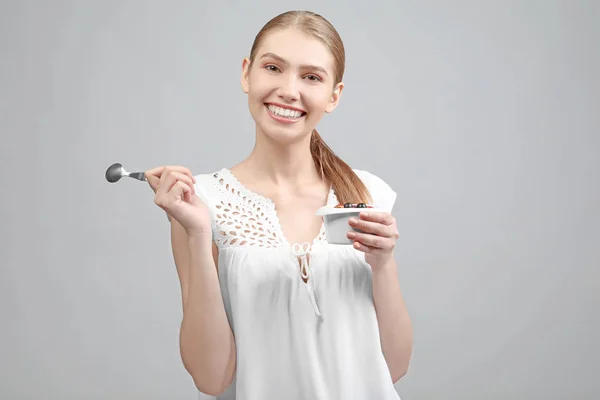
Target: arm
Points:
(206, 341)
(395, 328)
(378, 241)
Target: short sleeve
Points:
(382, 193)
(206, 190)
(202, 187)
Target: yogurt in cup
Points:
(336, 221)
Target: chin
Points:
(284, 136)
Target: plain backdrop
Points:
(484, 116)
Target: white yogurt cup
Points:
(336, 222)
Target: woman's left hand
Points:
(378, 239)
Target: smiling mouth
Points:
(285, 113)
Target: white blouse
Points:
(294, 340)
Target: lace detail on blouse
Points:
(245, 218)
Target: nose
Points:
(289, 88)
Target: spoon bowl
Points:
(116, 171)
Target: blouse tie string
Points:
(301, 250)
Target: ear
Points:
(245, 73)
(335, 98)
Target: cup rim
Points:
(330, 210)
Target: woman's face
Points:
(290, 85)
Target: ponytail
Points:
(348, 187)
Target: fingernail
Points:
(352, 221)
(351, 235)
(364, 214)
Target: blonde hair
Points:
(347, 185)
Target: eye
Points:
(313, 78)
(272, 68)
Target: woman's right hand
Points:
(174, 192)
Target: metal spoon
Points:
(116, 172)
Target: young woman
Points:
(270, 309)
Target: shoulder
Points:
(205, 178)
(207, 187)
(383, 194)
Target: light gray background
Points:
(483, 115)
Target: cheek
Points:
(320, 102)
(256, 87)
(255, 91)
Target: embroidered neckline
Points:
(245, 217)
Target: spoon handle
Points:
(140, 176)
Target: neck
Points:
(283, 163)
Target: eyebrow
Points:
(283, 61)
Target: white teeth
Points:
(284, 112)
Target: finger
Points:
(152, 182)
(384, 218)
(364, 248)
(154, 171)
(153, 175)
(158, 171)
(375, 241)
(169, 178)
(179, 191)
(187, 196)
(183, 170)
(179, 170)
(374, 228)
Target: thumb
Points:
(153, 182)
